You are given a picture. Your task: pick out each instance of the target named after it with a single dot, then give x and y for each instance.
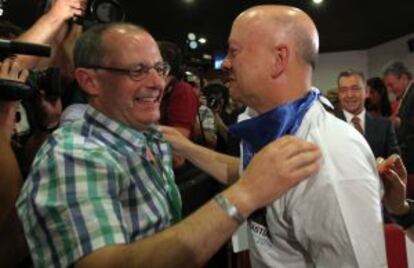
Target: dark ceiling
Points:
(343, 24)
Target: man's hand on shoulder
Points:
(276, 168)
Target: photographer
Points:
(13, 247)
(204, 131)
(56, 28)
(33, 109)
(51, 28)
(218, 101)
(44, 111)
(40, 113)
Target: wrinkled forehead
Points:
(127, 45)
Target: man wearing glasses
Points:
(101, 190)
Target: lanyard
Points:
(165, 181)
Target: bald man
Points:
(331, 219)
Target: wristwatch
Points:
(406, 220)
(229, 208)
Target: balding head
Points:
(272, 51)
(283, 24)
(94, 44)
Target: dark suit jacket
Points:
(405, 132)
(379, 134)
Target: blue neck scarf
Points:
(258, 131)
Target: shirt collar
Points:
(129, 135)
(361, 116)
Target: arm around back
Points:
(223, 167)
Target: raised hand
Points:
(394, 176)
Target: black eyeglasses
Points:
(139, 72)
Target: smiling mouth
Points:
(352, 102)
(149, 100)
(152, 99)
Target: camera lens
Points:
(212, 102)
(107, 11)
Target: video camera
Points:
(213, 101)
(48, 80)
(216, 94)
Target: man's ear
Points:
(281, 59)
(87, 81)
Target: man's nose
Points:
(226, 65)
(349, 93)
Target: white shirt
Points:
(332, 219)
(361, 116)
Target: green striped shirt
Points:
(96, 183)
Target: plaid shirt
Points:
(96, 183)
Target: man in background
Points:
(378, 131)
(398, 80)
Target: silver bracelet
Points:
(229, 208)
